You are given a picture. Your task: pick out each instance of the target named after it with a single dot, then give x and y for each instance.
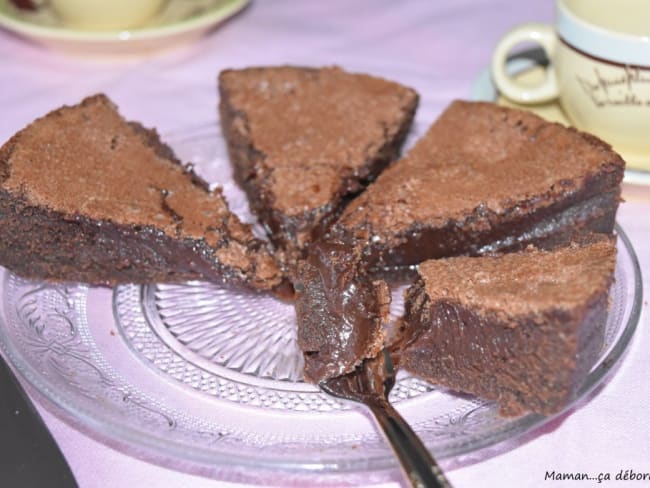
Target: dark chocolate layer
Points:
(564, 221)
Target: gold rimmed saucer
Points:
(178, 21)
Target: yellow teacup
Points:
(600, 70)
(106, 14)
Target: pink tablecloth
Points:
(439, 47)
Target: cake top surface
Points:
(314, 126)
(87, 160)
(525, 283)
(478, 155)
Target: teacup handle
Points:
(545, 36)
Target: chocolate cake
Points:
(486, 178)
(522, 329)
(303, 141)
(483, 179)
(87, 196)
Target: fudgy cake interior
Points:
(87, 196)
(303, 141)
(522, 328)
(487, 178)
(341, 310)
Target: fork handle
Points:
(416, 462)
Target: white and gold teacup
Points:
(599, 52)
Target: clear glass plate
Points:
(206, 379)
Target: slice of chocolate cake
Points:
(87, 196)
(487, 178)
(303, 141)
(522, 329)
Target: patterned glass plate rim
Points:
(106, 361)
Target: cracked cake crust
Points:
(87, 196)
(303, 141)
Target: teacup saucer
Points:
(527, 70)
(179, 20)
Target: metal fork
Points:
(369, 384)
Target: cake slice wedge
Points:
(522, 329)
(486, 178)
(87, 196)
(303, 141)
